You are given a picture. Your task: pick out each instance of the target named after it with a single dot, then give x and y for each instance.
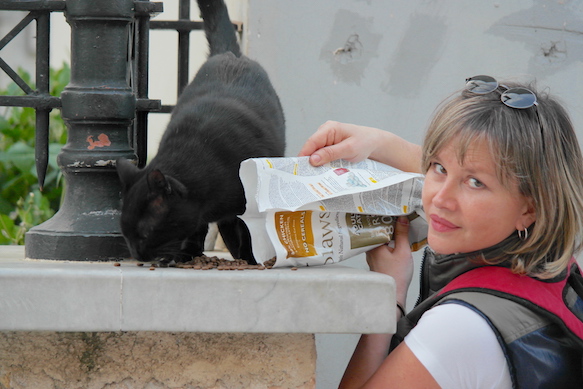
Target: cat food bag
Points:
(302, 215)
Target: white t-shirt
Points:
(459, 349)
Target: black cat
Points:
(228, 113)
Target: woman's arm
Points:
(401, 369)
(334, 140)
(369, 354)
(369, 366)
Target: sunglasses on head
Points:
(520, 98)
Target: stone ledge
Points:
(99, 297)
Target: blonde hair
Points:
(535, 147)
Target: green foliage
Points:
(29, 212)
(22, 205)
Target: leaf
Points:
(5, 206)
(8, 231)
(54, 150)
(19, 155)
(60, 79)
(4, 124)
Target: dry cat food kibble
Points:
(207, 263)
(269, 264)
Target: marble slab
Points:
(88, 296)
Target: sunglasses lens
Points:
(520, 98)
(481, 84)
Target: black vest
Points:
(538, 323)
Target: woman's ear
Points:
(528, 216)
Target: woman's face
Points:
(467, 207)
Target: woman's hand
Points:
(396, 261)
(335, 140)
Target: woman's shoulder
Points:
(458, 348)
(454, 323)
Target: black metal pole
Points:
(98, 107)
(183, 46)
(42, 87)
(142, 46)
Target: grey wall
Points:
(389, 63)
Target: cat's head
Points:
(155, 217)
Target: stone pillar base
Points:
(156, 360)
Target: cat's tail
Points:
(219, 30)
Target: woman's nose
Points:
(445, 195)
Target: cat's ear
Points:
(177, 187)
(159, 184)
(127, 171)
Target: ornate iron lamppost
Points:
(98, 107)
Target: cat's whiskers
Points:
(169, 250)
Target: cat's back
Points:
(234, 77)
(222, 123)
(237, 97)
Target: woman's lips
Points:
(441, 225)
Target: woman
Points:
(503, 196)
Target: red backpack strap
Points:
(546, 295)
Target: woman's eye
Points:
(439, 168)
(475, 183)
